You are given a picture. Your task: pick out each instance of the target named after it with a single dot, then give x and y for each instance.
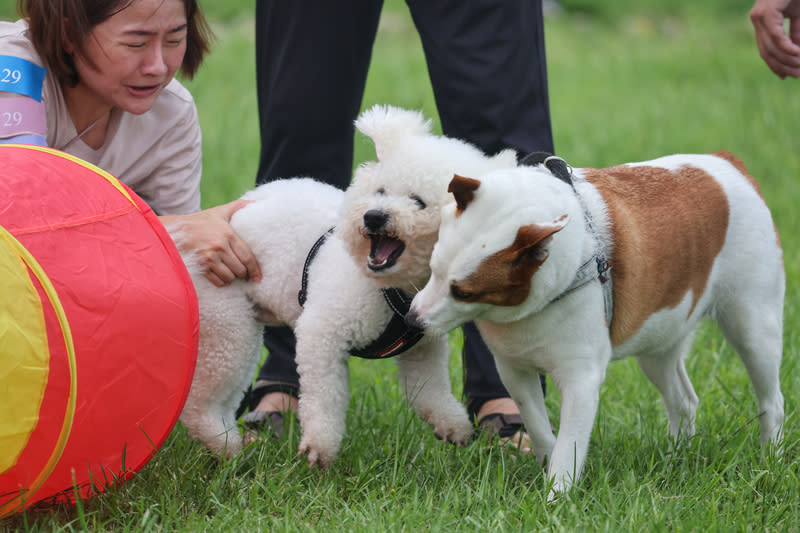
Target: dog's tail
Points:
(740, 166)
(386, 124)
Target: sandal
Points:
(506, 429)
(258, 421)
(500, 425)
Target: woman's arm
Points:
(22, 111)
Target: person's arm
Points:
(22, 111)
(781, 52)
(22, 120)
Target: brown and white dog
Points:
(526, 256)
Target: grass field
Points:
(628, 81)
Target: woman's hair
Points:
(54, 24)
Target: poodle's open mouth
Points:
(384, 252)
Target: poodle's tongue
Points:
(384, 251)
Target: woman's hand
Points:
(218, 248)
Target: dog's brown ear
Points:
(530, 245)
(463, 190)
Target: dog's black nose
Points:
(412, 320)
(375, 219)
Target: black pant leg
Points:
(487, 64)
(312, 59)
(488, 69)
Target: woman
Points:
(96, 79)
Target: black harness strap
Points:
(312, 253)
(396, 338)
(554, 164)
(588, 271)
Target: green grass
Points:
(624, 86)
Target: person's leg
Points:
(488, 70)
(487, 64)
(312, 59)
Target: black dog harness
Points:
(396, 338)
(598, 266)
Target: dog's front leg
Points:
(526, 390)
(324, 390)
(580, 392)
(425, 378)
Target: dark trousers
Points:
(486, 60)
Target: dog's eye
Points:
(418, 201)
(458, 294)
(381, 191)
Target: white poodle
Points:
(355, 286)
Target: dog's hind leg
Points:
(424, 375)
(210, 426)
(755, 330)
(666, 370)
(226, 359)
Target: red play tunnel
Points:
(98, 329)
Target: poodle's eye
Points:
(459, 294)
(420, 203)
(381, 191)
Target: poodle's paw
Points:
(211, 432)
(250, 436)
(458, 432)
(317, 453)
(230, 448)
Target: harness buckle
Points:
(603, 266)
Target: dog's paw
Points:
(459, 433)
(230, 449)
(250, 436)
(316, 455)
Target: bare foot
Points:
(277, 401)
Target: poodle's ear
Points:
(386, 124)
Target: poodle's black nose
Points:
(375, 220)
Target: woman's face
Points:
(134, 54)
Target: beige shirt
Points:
(157, 154)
